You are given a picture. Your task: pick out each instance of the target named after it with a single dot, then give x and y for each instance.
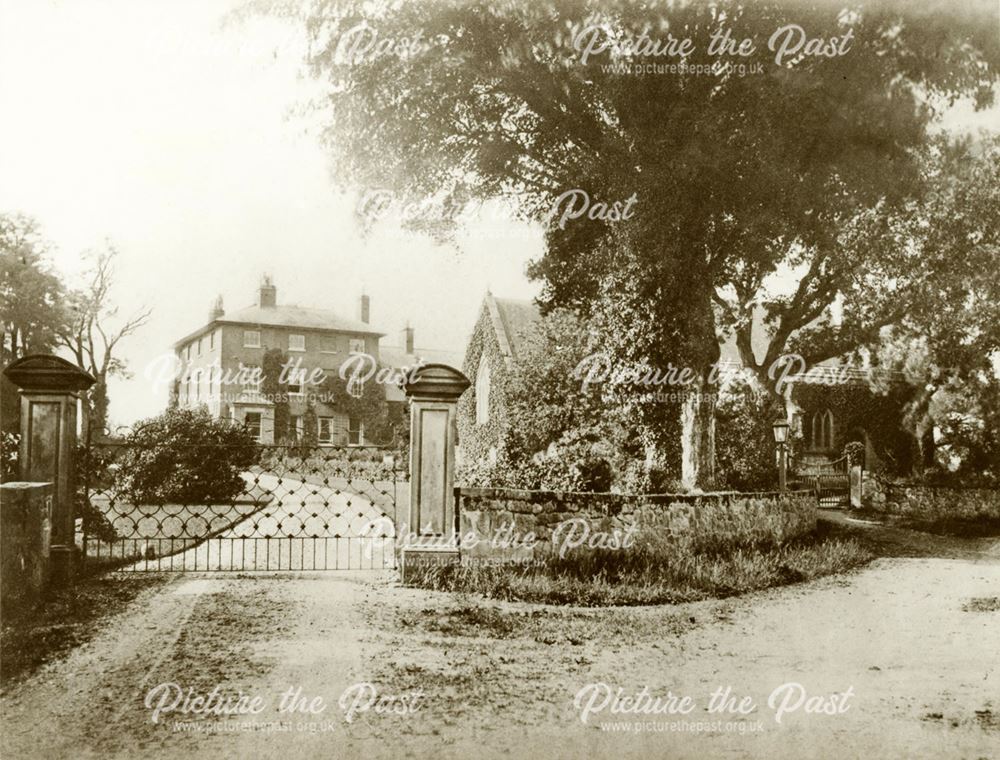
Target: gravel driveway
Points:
(912, 641)
(305, 527)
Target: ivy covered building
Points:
(482, 411)
(827, 406)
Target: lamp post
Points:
(780, 429)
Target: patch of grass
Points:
(653, 571)
(980, 526)
(982, 604)
(473, 621)
(63, 621)
(960, 527)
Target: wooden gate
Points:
(831, 481)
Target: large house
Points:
(222, 365)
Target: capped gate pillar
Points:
(49, 388)
(433, 390)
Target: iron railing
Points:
(215, 509)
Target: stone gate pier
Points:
(432, 531)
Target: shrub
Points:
(744, 442)
(579, 461)
(94, 471)
(855, 453)
(185, 456)
(9, 443)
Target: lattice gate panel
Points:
(325, 508)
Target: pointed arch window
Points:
(822, 430)
(483, 391)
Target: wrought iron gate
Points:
(291, 508)
(831, 482)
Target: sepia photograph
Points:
(542, 379)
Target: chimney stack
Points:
(364, 309)
(268, 293)
(406, 339)
(216, 311)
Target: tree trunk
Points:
(698, 437)
(928, 447)
(96, 419)
(924, 448)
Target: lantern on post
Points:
(780, 429)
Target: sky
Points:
(170, 133)
(159, 127)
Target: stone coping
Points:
(929, 487)
(613, 498)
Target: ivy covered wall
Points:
(475, 440)
(855, 408)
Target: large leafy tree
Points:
(946, 347)
(31, 294)
(31, 302)
(728, 180)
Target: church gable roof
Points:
(512, 319)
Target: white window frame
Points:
(260, 423)
(356, 386)
(248, 375)
(302, 342)
(319, 429)
(351, 432)
(246, 338)
(300, 376)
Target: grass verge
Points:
(653, 572)
(980, 526)
(63, 621)
(957, 527)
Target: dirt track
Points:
(907, 636)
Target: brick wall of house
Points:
(222, 345)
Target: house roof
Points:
(511, 320)
(288, 315)
(298, 316)
(396, 356)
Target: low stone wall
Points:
(498, 523)
(25, 532)
(931, 502)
